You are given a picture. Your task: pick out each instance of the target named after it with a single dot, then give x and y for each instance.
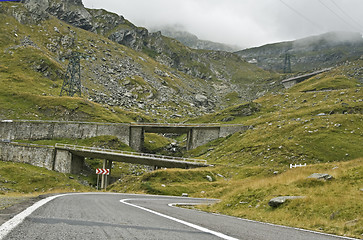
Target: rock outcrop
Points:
(277, 201)
(163, 76)
(321, 176)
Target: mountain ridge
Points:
(307, 54)
(192, 41)
(150, 73)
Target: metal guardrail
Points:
(103, 150)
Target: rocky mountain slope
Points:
(128, 68)
(192, 41)
(307, 54)
(318, 122)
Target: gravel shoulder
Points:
(12, 205)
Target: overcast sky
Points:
(245, 23)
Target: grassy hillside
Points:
(24, 178)
(318, 122)
(31, 76)
(119, 84)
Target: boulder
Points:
(277, 201)
(201, 98)
(210, 179)
(323, 176)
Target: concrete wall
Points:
(289, 84)
(42, 156)
(200, 136)
(136, 138)
(25, 153)
(66, 162)
(231, 129)
(36, 130)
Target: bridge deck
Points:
(306, 76)
(133, 157)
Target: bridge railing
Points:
(103, 150)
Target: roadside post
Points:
(104, 172)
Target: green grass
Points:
(326, 83)
(332, 206)
(320, 128)
(24, 178)
(155, 143)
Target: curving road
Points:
(127, 216)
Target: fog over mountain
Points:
(245, 23)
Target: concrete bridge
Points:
(131, 134)
(157, 161)
(197, 134)
(71, 158)
(288, 83)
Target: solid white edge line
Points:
(9, 225)
(6, 227)
(175, 205)
(203, 229)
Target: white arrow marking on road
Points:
(203, 229)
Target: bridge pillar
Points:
(66, 162)
(136, 138)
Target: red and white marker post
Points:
(101, 171)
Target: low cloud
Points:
(244, 23)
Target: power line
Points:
(331, 10)
(347, 15)
(301, 15)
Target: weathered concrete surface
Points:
(136, 136)
(40, 156)
(127, 157)
(37, 130)
(66, 162)
(62, 161)
(201, 136)
(227, 130)
(197, 135)
(130, 134)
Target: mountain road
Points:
(131, 216)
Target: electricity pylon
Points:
(72, 80)
(287, 64)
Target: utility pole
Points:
(287, 64)
(72, 81)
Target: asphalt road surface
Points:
(127, 216)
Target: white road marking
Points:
(203, 229)
(6, 227)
